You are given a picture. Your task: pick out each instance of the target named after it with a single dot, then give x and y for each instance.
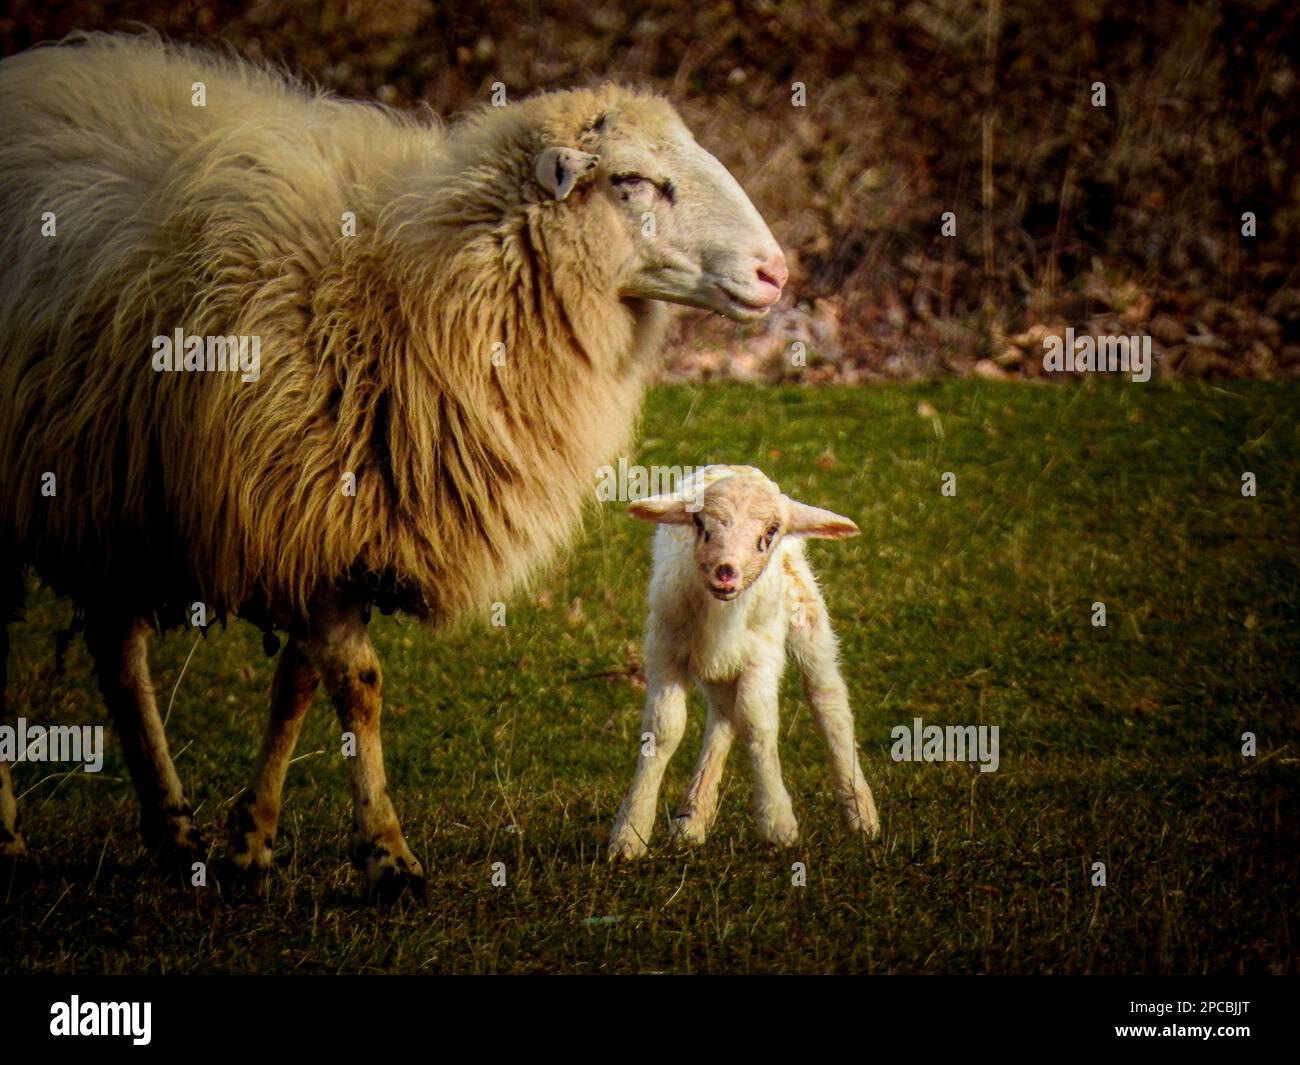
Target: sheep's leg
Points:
(120, 649)
(758, 722)
(664, 720)
(813, 645)
(12, 844)
(341, 651)
(11, 840)
(255, 817)
(699, 805)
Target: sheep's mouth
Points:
(747, 308)
(724, 592)
(708, 292)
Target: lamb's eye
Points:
(765, 541)
(631, 182)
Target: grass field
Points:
(1119, 744)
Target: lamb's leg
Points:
(11, 840)
(664, 718)
(758, 722)
(813, 644)
(342, 653)
(256, 815)
(699, 805)
(120, 649)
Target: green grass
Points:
(1118, 744)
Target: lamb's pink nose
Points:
(725, 575)
(774, 271)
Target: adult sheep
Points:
(456, 328)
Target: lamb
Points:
(455, 330)
(731, 592)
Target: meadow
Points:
(512, 744)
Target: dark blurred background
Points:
(1118, 219)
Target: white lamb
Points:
(723, 614)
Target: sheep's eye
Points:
(632, 182)
(765, 541)
(699, 528)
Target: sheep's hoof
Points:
(13, 847)
(252, 843)
(870, 829)
(184, 869)
(18, 868)
(238, 881)
(16, 865)
(169, 832)
(626, 846)
(688, 830)
(398, 883)
(779, 833)
(861, 818)
(173, 843)
(392, 872)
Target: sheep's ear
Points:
(824, 524)
(662, 510)
(558, 169)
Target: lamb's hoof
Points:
(176, 850)
(688, 831)
(13, 847)
(184, 866)
(16, 865)
(862, 819)
(241, 882)
(779, 833)
(870, 829)
(393, 874)
(171, 838)
(251, 840)
(625, 846)
(398, 883)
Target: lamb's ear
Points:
(557, 170)
(824, 524)
(662, 510)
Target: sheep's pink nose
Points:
(774, 271)
(725, 574)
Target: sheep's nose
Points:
(725, 574)
(774, 272)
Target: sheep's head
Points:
(738, 522)
(674, 223)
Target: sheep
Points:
(455, 327)
(731, 593)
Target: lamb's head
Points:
(673, 224)
(738, 521)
